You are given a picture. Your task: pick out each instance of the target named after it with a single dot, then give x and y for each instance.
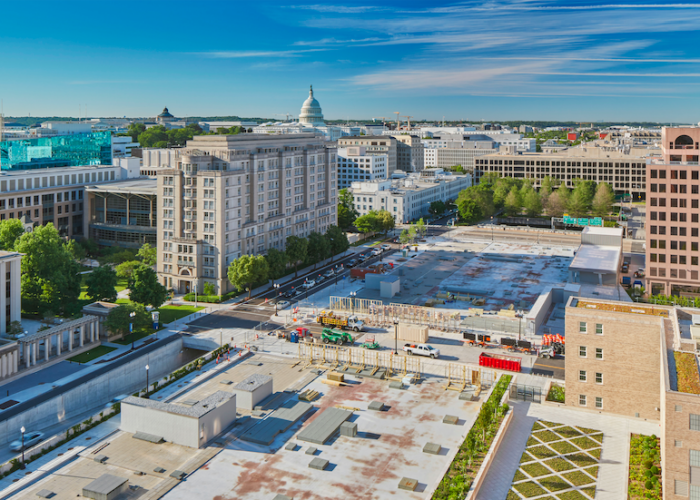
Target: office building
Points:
(59, 151)
(122, 213)
(410, 156)
(226, 196)
(375, 145)
(673, 212)
(11, 290)
(354, 164)
(407, 199)
(624, 172)
(53, 195)
(459, 153)
(658, 381)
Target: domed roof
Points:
(311, 113)
(165, 114)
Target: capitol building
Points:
(310, 120)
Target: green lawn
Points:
(94, 353)
(168, 314)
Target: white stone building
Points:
(356, 165)
(407, 199)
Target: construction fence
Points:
(376, 313)
(349, 359)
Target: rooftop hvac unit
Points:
(696, 319)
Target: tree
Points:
(338, 240)
(346, 209)
(148, 254)
(513, 205)
(247, 270)
(134, 130)
(368, 223)
(437, 207)
(209, 288)
(385, 221)
(421, 229)
(412, 231)
(532, 203)
(76, 250)
(318, 248)
(50, 278)
(556, 204)
(101, 284)
(119, 319)
(483, 197)
(10, 231)
(296, 250)
(125, 270)
(404, 237)
(145, 288)
(577, 205)
(584, 191)
(15, 329)
(276, 263)
(603, 199)
(469, 210)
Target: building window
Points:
(582, 375)
(677, 443)
(582, 400)
(598, 353)
(679, 408)
(694, 422)
(582, 351)
(598, 378)
(680, 488)
(599, 403)
(582, 327)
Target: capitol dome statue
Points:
(311, 114)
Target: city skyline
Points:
(499, 60)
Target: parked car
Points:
(309, 284)
(422, 350)
(283, 304)
(289, 293)
(30, 439)
(386, 247)
(329, 274)
(351, 263)
(376, 251)
(320, 279)
(639, 273)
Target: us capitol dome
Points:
(311, 114)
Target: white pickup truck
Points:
(421, 350)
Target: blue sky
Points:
(579, 60)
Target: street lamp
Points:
(132, 315)
(146, 380)
(22, 466)
(352, 295)
(492, 228)
(396, 335)
(195, 292)
(277, 296)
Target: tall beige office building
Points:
(226, 196)
(410, 153)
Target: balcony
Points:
(185, 263)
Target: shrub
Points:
(654, 469)
(649, 485)
(648, 464)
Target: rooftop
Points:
(603, 231)
(53, 171)
(197, 410)
(142, 185)
(635, 308)
(597, 258)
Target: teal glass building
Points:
(60, 151)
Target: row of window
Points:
(673, 231)
(583, 352)
(675, 202)
(674, 174)
(583, 401)
(674, 216)
(674, 188)
(673, 259)
(583, 328)
(583, 377)
(674, 245)
(672, 273)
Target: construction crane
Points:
(398, 121)
(408, 119)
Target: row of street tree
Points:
(518, 197)
(249, 270)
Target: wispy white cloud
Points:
(339, 9)
(333, 41)
(237, 54)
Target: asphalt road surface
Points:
(549, 367)
(254, 313)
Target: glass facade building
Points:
(60, 151)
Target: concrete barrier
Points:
(91, 391)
